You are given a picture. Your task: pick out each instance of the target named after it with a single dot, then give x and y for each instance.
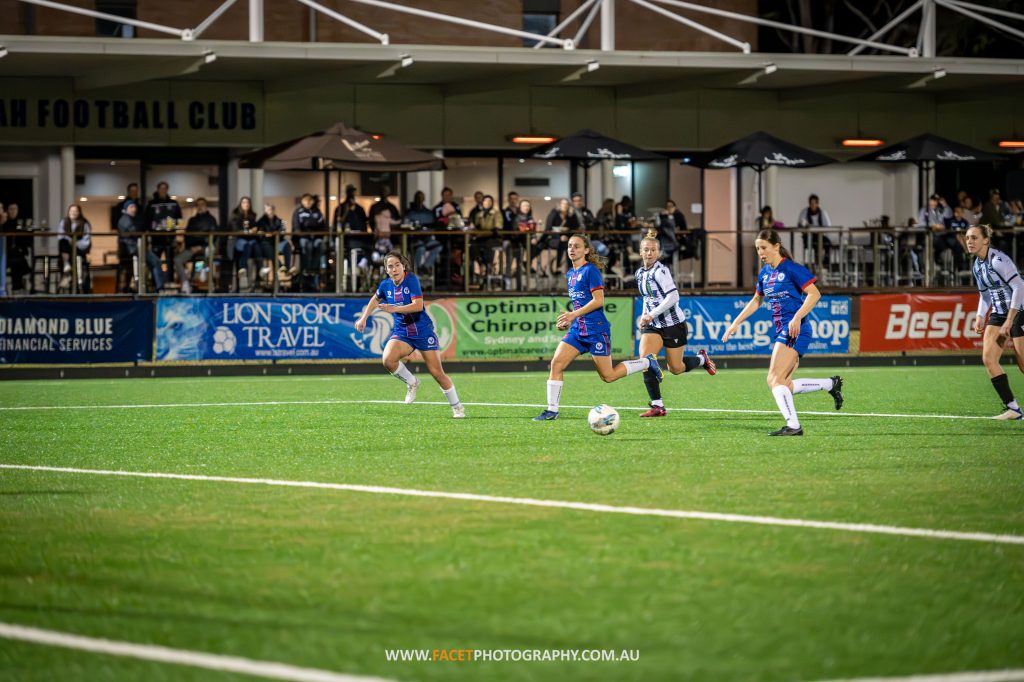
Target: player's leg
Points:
(564, 355)
(991, 353)
(784, 362)
(432, 359)
(394, 352)
(1017, 335)
(609, 373)
(651, 344)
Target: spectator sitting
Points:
(671, 220)
(350, 219)
(478, 202)
(243, 224)
(588, 222)
(560, 221)
(425, 249)
(384, 216)
(19, 247)
(767, 221)
(510, 211)
(816, 216)
(445, 208)
(269, 225)
(74, 226)
(969, 206)
(199, 227)
(488, 249)
(994, 211)
(162, 215)
(128, 250)
(307, 220)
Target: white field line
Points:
(558, 504)
(260, 403)
(161, 654)
(1016, 675)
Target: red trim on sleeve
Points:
(596, 288)
(812, 281)
(415, 297)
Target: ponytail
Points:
(772, 237)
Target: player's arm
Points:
(671, 298)
(595, 303)
(810, 300)
(414, 307)
(1008, 271)
(370, 307)
(752, 305)
(984, 305)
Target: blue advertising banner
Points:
(707, 318)
(48, 332)
(285, 328)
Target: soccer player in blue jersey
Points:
(400, 294)
(588, 328)
(791, 293)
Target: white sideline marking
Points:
(148, 406)
(981, 676)
(557, 504)
(161, 654)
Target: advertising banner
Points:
(707, 318)
(525, 326)
(899, 322)
(266, 329)
(49, 332)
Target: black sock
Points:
(1002, 385)
(691, 363)
(653, 385)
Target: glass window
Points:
(538, 22)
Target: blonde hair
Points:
(651, 236)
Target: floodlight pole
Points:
(255, 21)
(608, 25)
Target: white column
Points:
(607, 25)
(256, 187)
(928, 29)
(255, 21)
(436, 182)
(67, 180)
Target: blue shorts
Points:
(801, 342)
(598, 345)
(420, 343)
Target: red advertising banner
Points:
(898, 322)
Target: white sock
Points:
(810, 385)
(554, 395)
(634, 366)
(1013, 405)
(403, 374)
(453, 397)
(658, 403)
(784, 399)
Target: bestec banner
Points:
(525, 326)
(267, 329)
(46, 332)
(707, 318)
(898, 322)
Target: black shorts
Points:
(671, 337)
(1016, 331)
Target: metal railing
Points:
(876, 258)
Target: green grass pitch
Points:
(329, 579)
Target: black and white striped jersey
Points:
(998, 281)
(655, 284)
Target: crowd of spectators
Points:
(257, 252)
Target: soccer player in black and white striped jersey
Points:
(1002, 295)
(662, 324)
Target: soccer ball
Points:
(603, 420)
(224, 341)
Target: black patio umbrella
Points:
(589, 147)
(927, 147)
(759, 151)
(340, 148)
(923, 151)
